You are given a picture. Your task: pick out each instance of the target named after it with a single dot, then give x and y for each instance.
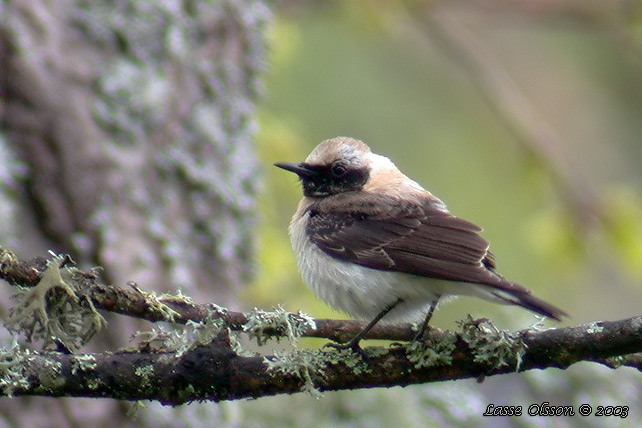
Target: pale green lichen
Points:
(310, 365)
(376, 351)
(52, 311)
(13, 374)
(24, 369)
(593, 328)
(93, 384)
(433, 353)
(156, 306)
(179, 297)
(203, 333)
(82, 363)
(8, 260)
(145, 374)
(307, 365)
(48, 372)
(219, 309)
(237, 347)
(158, 336)
(492, 346)
(182, 339)
(349, 358)
(616, 361)
(538, 325)
(289, 325)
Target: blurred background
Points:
(525, 117)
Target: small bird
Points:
(371, 242)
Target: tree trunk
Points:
(126, 141)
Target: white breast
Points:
(360, 291)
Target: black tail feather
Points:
(532, 303)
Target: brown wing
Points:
(391, 234)
(421, 240)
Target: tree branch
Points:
(203, 360)
(137, 303)
(216, 372)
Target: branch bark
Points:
(216, 372)
(208, 363)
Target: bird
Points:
(373, 243)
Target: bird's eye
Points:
(338, 170)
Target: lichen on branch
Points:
(53, 312)
(199, 356)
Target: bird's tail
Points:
(528, 301)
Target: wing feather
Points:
(423, 240)
(387, 233)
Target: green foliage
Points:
(377, 75)
(623, 228)
(342, 71)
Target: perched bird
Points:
(372, 242)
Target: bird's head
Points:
(335, 166)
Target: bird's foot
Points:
(353, 345)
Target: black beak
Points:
(301, 169)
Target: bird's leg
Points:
(421, 332)
(354, 342)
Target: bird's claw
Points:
(352, 345)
